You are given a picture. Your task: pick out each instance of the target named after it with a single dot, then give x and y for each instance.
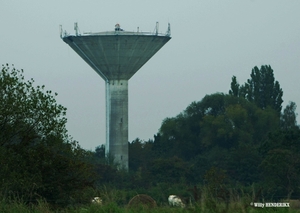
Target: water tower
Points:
(116, 56)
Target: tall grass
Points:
(21, 207)
(115, 201)
(114, 208)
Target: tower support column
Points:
(117, 121)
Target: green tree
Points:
(169, 170)
(261, 89)
(27, 111)
(288, 117)
(100, 154)
(228, 120)
(281, 162)
(37, 156)
(214, 130)
(214, 178)
(243, 162)
(140, 154)
(235, 87)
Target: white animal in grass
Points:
(174, 200)
(97, 200)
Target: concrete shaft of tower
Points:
(116, 56)
(117, 122)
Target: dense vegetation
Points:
(243, 134)
(223, 145)
(37, 157)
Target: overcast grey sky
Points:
(211, 42)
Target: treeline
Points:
(236, 139)
(242, 139)
(245, 134)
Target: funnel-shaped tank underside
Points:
(116, 57)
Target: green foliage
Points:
(100, 154)
(220, 141)
(238, 201)
(217, 128)
(243, 163)
(288, 117)
(224, 131)
(281, 163)
(172, 170)
(140, 154)
(261, 89)
(28, 111)
(37, 157)
(215, 178)
(235, 87)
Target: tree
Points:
(37, 156)
(100, 154)
(243, 162)
(261, 89)
(169, 170)
(221, 130)
(234, 87)
(140, 154)
(27, 111)
(281, 162)
(288, 117)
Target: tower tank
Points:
(116, 56)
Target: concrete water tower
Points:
(116, 56)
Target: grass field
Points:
(122, 201)
(43, 207)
